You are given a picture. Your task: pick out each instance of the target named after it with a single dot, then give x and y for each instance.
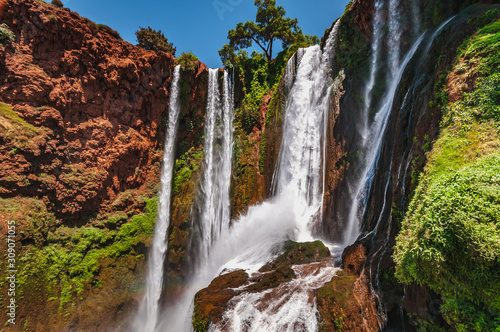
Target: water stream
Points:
(147, 316)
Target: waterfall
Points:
(374, 61)
(394, 41)
(218, 148)
(148, 310)
(300, 166)
(290, 214)
(214, 203)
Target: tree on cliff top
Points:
(150, 39)
(270, 25)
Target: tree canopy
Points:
(153, 40)
(270, 24)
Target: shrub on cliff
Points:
(57, 3)
(187, 61)
(6, 34)
(150, 39)
(112, 32)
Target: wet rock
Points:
(298, 253)
(276, 281)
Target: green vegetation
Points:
(270, 25)
(353, 49)
(298, 253)
(450, 238)
(187, 61)
(184, 167)
(6, 34)
(57, 3)
(14, 129)
(200, 323)
(338, 322)
(67, 259)
(150, 39)
(107, 29)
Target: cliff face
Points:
(81, 139)
(97, 101)
(413, 125)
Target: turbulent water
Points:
(147, 317)
(299, 171)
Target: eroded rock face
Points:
(97, 102)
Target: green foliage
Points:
(450, 238)
(57, 3)
(487, 18)
(107, 29)
(248, 114)
(339, 322)
(188, 163)
(353, 49)
(153, 40)
(6, 34)
(15, 130)
(200, 323)
(451, 242)
(71, 259)
(187, 61)
(270, 24)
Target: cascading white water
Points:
(374, 63)
(301, 159)
(394, 42)
(298, 182)
(415, 18)
(218, 146)
(253, 240)
(147, 317)
(215, 209)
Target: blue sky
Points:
(200, 26)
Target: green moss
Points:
(72, 257)
(353, 47)
(450, 238)
(6, 34)
(184, 167)
(11, 124)
(298, 253)
(200, 323)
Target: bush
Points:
(187, 61)
(6, 34)
(107, 29)
(57, 3)
(150, 39)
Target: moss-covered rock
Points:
(298, 253)
(449, 239)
